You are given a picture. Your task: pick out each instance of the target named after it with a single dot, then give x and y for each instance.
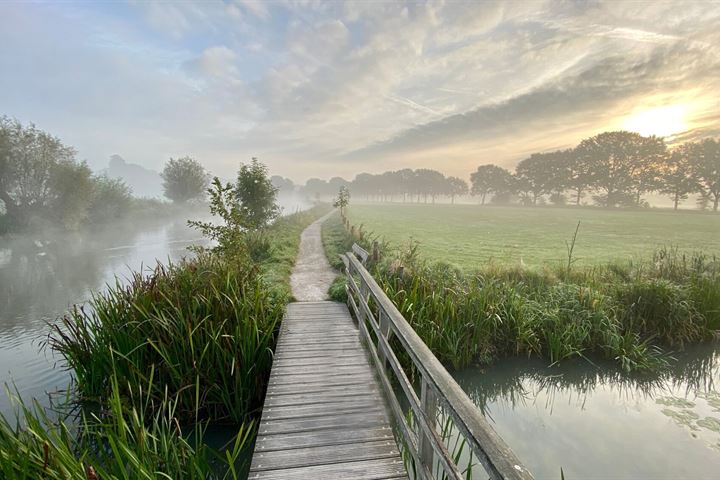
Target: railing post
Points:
(428, 403)
(375, 251)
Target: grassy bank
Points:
(470, 236)
(158, 359)
(631, 312)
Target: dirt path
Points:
(312, 275)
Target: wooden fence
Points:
(443, 433)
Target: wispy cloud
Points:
(326, 88)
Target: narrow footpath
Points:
(324, 416)
(312, 275)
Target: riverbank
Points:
(634, 313)
(125, 349)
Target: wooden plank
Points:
(323, 438)
(312, 456)
(380, 469)
(301, 388)
(361, 419)
(308, 411)
(307, 398)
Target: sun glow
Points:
(661, 121)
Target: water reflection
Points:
(42, 275)
(596, 422)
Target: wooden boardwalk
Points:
(324, 415)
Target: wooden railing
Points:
(441, 413)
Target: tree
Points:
(575, 172)
(677, 177)
(28, 159)
(316, 188)
(621, 165)
(535, 175)
(430, 183)
(342, 200)
(184, 179)
(490, 179)
(456, 186)
(705, 160)
(111, 199)
(72, 186)
(256, 195)
(282, 184)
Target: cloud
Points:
(327, 88)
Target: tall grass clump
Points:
(206, 322)
(120, 441)
(634, 313)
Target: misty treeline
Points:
(42, 183)
(612, 169)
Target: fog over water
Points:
(42, 276)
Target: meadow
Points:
(469, 236)
(634, 311)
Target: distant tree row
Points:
(615, 168)
(423, 184)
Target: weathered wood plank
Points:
(380, 469)
(307, 411)
(312, 456)
(314, 397)
(323, 438)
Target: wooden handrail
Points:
(437, 387)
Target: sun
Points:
(660, 121)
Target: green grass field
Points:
(470, 235)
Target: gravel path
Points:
(312, 275)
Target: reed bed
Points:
(204, 323)
(634, 313)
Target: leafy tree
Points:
(705, 160)
(72, 186)
(111, 199)
(343, 199)
(575, 172)
(535, 175)
(456, 186)
(429, 183)
(29, 157)
(184, 179)
(282, 184)
(256, 195)
(677, 176)
(618, 165)
(230, 234)
(490, 179)
(647, 164)
(316, 188)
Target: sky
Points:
(319, 89)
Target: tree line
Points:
(42, 183)
(613, 169)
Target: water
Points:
(41, 277)
(595, 422)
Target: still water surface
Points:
(594, 422)
(41, 277)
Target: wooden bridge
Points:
(341, 405)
